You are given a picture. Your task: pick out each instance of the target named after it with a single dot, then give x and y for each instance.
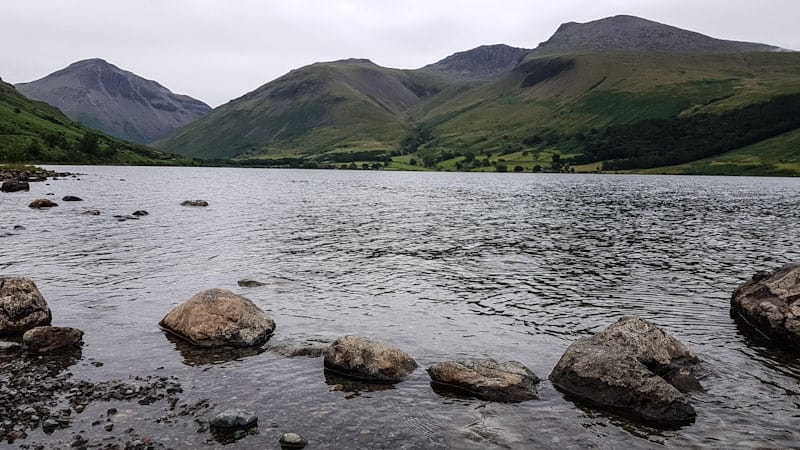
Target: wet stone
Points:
(234, 419)
(292, 441)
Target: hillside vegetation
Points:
(620, 93)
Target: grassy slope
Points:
(604, 89)
(24, 122)
(353, 105)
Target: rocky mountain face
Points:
(634, 34)
(482, 62)
(117, 102)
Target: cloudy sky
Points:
(217, 50)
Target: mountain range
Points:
(115, 101)
(620, 93)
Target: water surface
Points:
(443, 265)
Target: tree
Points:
(537, 168)
(501, 168)
(518, 168)
(89, 143)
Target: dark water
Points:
(443, 265)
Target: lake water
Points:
(512, 266)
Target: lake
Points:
(443, 265)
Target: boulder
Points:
(487, 379)
(368, 359)
(770, 303)
(234, 419)
(22, 306)
(42, 203)
(628, 369)
(194, 203)
(15, 186)
(46, 339)
(217, 317)
(72, 198)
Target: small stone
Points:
(72, 198)
(233, 419)
(250, 283)
(50, 425)
(292, 441)
(91, 212)
(29, 410)
(7, 348)
(79, 408)
(19, 227)
(42, 203)
(35, 418)
(111, 411)
(194, 203)
(140, 213)
(108, 426)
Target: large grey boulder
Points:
(632, 368)
(47, 339)
(487, 379)
(369, 360)
(217, 317)
(770, 303)
(22, 306)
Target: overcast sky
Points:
(217, 50)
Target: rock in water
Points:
(42, 203)
(217, 317)
(92, 212)
(72, 198)
(194, 203)
(141, 213)
(9, 348)
(250, 283)
(292, 441)
(234, 419)
(487, 379)
(15, 186)
(46, 339)
(626, 369)
(22, 306)
(769, 303)
(369, 360)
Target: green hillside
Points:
(350, 105)
(32, 131)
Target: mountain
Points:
(582, 98)
(33, 131)
(482, 62)
(344, 104)
(634, 34)
(115, 101)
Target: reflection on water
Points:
(510, 266)
(194, 355)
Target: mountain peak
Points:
(481, 62)
(115, 101)
(631, 33)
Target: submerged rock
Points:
(217, 317)
(368, 359)
(141, 213)
(770, 303)
(194, 203)
(72, 198)
(46, 339)
(92, 212)
(42, 203)
(234, 419)
(250, 283)
(22, 306)
(15, 186)
(487, 379)
(627, 369)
